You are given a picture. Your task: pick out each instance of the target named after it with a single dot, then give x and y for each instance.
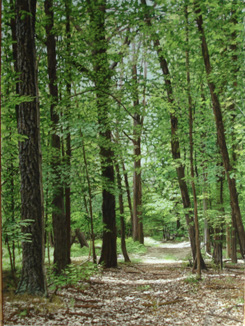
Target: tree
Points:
(137, 131)
(188, 78)
(102, 81)
(221, 131)
(60, 225)
(33, 276)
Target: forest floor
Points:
(157, 290)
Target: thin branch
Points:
(126, 42)
(225, 317)
(93, 89)
(132, 140)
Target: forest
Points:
(122, 126)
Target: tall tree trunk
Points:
(90, 211)
(221, 133)
(68, 137)
(175, 146)
(122, 220)
(228, 241)
(233, 243)
(32, 279)
(60, 227)
(218, 229)
(125, 174)
(137, 186)
(102, 80)
(198, 251)
(232, 108)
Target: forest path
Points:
(162, 252)
(141, 294)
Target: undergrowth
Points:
(72, 275)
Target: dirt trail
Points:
(164, 252)
(142, 294)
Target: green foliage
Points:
(191, 280)
(133, 247)
(79, 114)
(72, 275)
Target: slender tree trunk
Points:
(102, 80)
(14, 50)
(68, 137)
(218, 229)
(60, 227)
(228, 241)
(175, 146)
(137, 187)
(221, 133)
(206, 228)
(90, 203)
(198, 250)
(233, 243)
(125, 174)
(122, 221)
(232, 108)
(32, 279)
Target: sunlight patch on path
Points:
(151, 242)
(113, 280)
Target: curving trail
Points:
(148, 293)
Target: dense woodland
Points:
(121, 119)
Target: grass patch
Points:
(191, 280)
(169, 257)
(143, 288)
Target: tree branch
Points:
(126, 42)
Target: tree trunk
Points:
(121, 208)
(90, 211)
(32, 279)
(102, 80)
(228, 241)
(137, 187)
(68, 137)
(60, 227)
(233, 243)
(188, 79)
(218, 231)
(128, 193)
(221, 133)
(232, 108)
(81, 238)
(175, 146)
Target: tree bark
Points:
(121, 209)
(188, 79)
(32, 276)
(81, 238)
(60, 227)
(228, 241)
(221, 133)
(137, 186)
(68, 137)
(128, 193)
(232, 108)
(102, 80)
(90, 211)
(218, 229)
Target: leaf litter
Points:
(138, 294)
